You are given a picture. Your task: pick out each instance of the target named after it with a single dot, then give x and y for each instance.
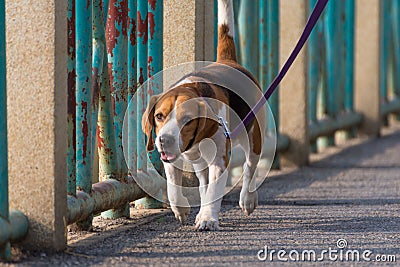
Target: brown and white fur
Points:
(167, 111)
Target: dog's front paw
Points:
(248, 201)
(206, 222)
(181, 213)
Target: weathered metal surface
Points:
(98, 58)
(384, 47)
(349, 48)
(396, 46)
(4, 248)
(117, 41)
(331, 67)
(116, 36)
(236, 11)
(105, 126)
(107, 195)
(391, 107)
(328, 126)
(154, 65)
(268, 21)
(132, 86)
(314, 70)
(142, 38)
(84, 98)
(13, 229)
(332, 74)
(248, 29)
(71, 116)
(83, 94)
(155, 61)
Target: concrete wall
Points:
(37, 88)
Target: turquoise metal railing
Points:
(114, 46)
(257, 40)
(14, 224)
(153, 62)
(331, 73)
(390, 57)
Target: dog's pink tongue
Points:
(166, 157)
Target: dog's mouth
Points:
(168, 157)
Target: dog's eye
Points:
(159, 117)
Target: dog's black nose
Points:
(166, 139)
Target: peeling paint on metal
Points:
(142, 27)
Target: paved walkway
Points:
(352, 196)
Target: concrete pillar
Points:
(188, 31)
(367, 68)
(37, 117)
(188, 36)
(293, 89)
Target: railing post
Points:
(248, 29)
(154, 61)
(37, 117)
(396, 50)
(117, 41)
(314, 71)
(84, 97)
(367, 98)
(269, 57)
(293, 93)
(5, 251)
(108, 167)
(132, 87)
(71, 183)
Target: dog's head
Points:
(179, 118)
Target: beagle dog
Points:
(184, 120)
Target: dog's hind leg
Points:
(248, 195)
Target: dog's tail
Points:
(226, 31)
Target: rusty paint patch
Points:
(103, 187)
(150, 69)
(153, 4)
(141, 78)
(85, 130)
(132, 37)
(151, 24)
(112, 35)
(121, 16)
(100, 140)
(95, 87)
(117, 15)
(142, 27)
(71, 92)
(112, 89)
(71, 33)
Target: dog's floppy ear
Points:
(206, 125)
(148, 122)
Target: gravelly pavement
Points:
(353, 195)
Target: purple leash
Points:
(316, 13)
